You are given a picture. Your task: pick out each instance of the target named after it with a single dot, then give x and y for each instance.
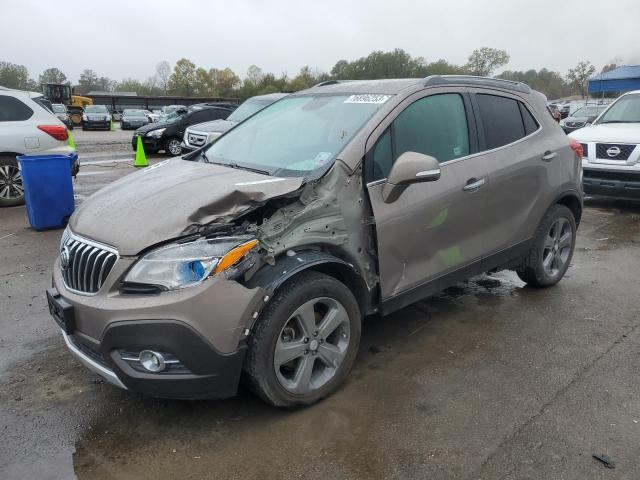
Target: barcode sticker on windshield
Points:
(367, 98)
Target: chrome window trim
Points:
(473, 155)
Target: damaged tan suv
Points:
(258, 256)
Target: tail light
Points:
(576, 147)
(56, 131)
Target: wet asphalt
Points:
(488, 380)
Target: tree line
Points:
(185, 78)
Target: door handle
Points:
(549, 155)
(473, 184)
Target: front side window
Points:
(296, 135)
(625, 110)
(434, 125)
(13, 110)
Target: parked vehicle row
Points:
(581, 117)
(27, 127)
(167, 134)
(196, 136)
(275, 240)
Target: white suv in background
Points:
(610, 149)
(27, 127)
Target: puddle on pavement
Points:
(243, 438)
(106, 433)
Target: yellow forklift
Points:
(59, 93)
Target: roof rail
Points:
(471, 80)
(326, 82)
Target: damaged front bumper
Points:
(200, 331)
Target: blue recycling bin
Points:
(48, 189)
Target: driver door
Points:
(433, 228)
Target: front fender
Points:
(271, 277)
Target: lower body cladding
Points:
(182, 344)
(612, 183)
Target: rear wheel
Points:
(305, 342)
(550, 254)
(172, 147)
(11, 188)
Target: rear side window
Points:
(44, 103)
(501, 120)
(434, 125)
(530, 124)
(13, 110)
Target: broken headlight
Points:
(183, 265)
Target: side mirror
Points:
(410, 167)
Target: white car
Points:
(153, 117)
(611, 151)
(27, 127)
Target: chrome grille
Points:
(85, 264)
(614, 151)
(196, 140)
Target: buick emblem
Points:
(65, 257)
(613, 151)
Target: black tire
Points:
(9, 196)
(533, 270)
(260, 371)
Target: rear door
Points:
(523, 163)
(435, 227)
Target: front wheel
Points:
(11, 188)
(172, 147)
(550, 254)
(305, 342)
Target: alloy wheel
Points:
(174, 147)
(10, 182)
(312, 345)
(557, 246)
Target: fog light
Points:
(152, 361)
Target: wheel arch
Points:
(272, 277)
(573, 202)
(10, 154)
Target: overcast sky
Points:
(120, 39)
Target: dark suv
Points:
(167, 134)
(274, 241)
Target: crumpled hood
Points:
(609, 133)
(171, 199)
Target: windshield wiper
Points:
(240, 167)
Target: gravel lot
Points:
(487, 380)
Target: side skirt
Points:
(508, 258)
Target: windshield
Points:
(95, 109)
(247, 109)
(587, 112)
(625, 110)
(296, 134)
(58, 109)
(172, 117)
(133, 113)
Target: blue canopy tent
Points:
(621, 79)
